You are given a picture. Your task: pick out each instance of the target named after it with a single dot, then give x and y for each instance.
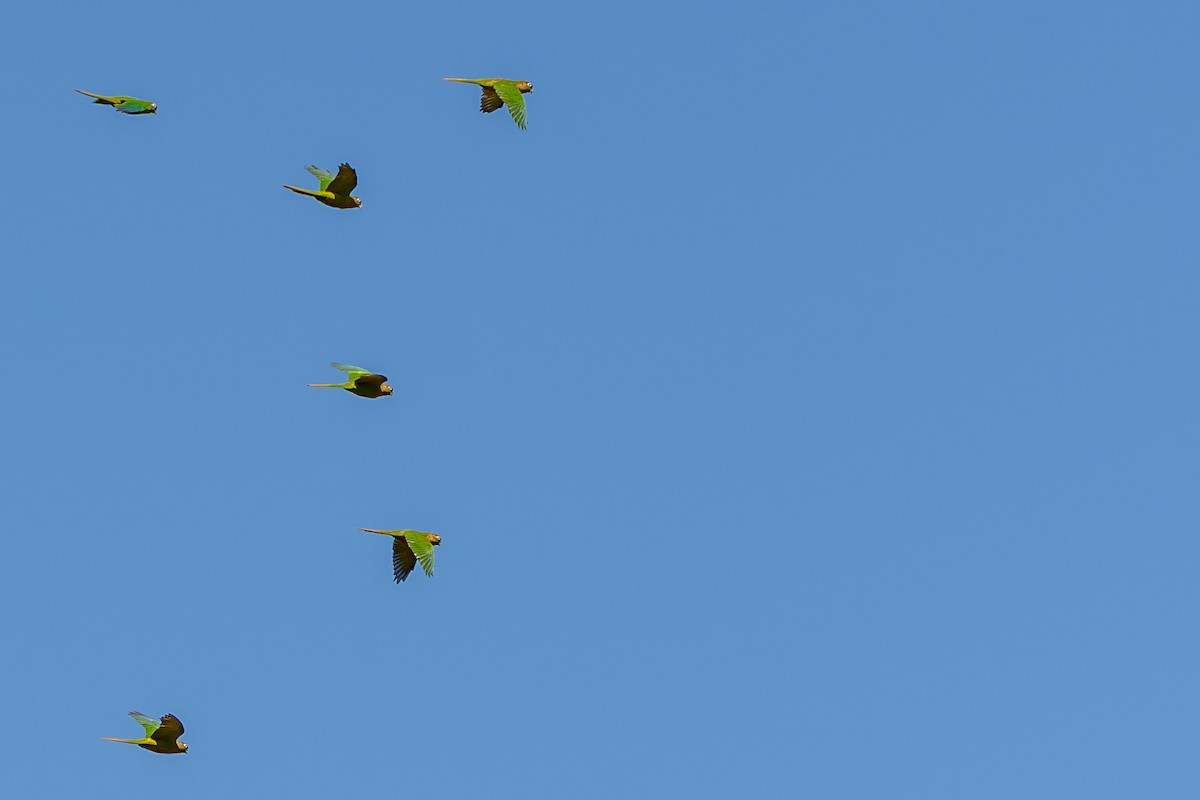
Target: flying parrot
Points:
(335, 189)
(499, 92)
(409, 547)
(363, 382)
(126, 105)
(162, 735)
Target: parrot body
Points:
(501, 92)
(363, 382)
(162, 735)
(335, 189)
(409, 547)
(126, 105)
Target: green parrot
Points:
(409, 547)
(499, 92)
(363, 382)
(162, 735)
(126, 105)
(335, 189)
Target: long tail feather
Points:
(99, 99)
(298, 190)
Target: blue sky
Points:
(807, 401)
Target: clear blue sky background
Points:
(807, 400)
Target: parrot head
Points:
(182, 746)
(434, 539)
(525, 86)
(385, 388)
(357, 201)
(154, 108)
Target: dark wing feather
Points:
(490, 100)
(345, 181)
(403, 559)
(370, 380)
(170, 729)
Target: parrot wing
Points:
(324, 176)
(422, 549)
(170, 729)
(511, 96)
(370, 380)
(353, 373)
(345, 181)
(403, 559)
(151, 725)
(490, 100)
(132, 105)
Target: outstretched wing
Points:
(345, 181)
(151, 725)
(490, 100)
(422, 550)
(324, 176)
(354, 373)
(170, 729)
(511, 96)
(403, 559)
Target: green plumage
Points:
(335, 189)
(501, 92)
(408, 548)
(362, 382)
(126, 105)
(162, 735)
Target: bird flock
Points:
(409, 547)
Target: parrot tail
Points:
(329, 385)
(98, 99)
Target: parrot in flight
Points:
(126, 105)
(335, 189)
(409, 547)
(363, 382)
(162, 735)
(500, 92)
